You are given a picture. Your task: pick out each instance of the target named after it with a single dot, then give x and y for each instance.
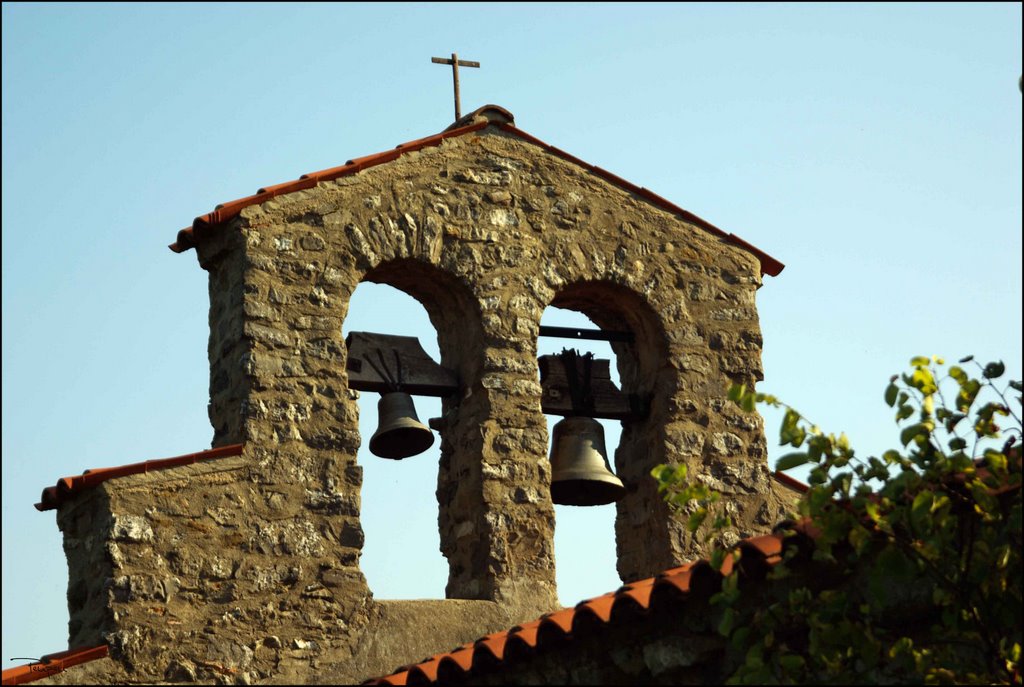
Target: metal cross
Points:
(455, 62)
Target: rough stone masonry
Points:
(246, 569)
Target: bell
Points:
(400, 433)
(580, 474)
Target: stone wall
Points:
(485, 231)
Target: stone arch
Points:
(584, 537)
(453, 310)
(455, 314)
(394, 537)
(645, 370)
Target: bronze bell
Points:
(580, 473)
(400, 433)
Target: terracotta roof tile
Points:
(526, 633)
(795, 484)
(397, 679)
(69, 487)
(679, 569)
(692, 580)
(640, 593)
(494, 643)
(489, 115)
(767, 546)
(600, 607)
(427, 669)
(51, 664)
(680, 581)
(186, 238)
(561, 619)
(696, 579)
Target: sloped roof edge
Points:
(699, 578)
(51, 664)
(69, 487)
(488, 115)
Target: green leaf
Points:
(740, 637)
(1016, 385)
(912, 432)
(967, 359)
(891, 392)
(662, 473)
(953, 420)
(817, 476)
(737, 391)
(920, 361)
(725, 625)
(790, 432)
(903, 644)
(957, 444)
(748, 403)
(921, 509)
(892, 457)
(904, 412)
(996, 461)
(696, 519)
(859, 537)
(923, 380)
(791, 460)
(968, 392)
(994, 370)
(791, 663)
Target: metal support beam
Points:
(590, 334)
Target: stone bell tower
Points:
(252, 561)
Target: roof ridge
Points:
(488, 115)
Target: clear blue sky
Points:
(874, 149)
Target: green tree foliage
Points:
(914, 574)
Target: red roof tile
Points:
(69, 487)
(51, 664)
(795, 484)
(692, 579)
(696, 579)
(491, 115)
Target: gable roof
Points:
(488, 115)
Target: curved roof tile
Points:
(697, 579)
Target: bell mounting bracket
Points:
(574, 384)
(384, 363)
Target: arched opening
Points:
(611, 538)
(398, 511)
(585, 555)
(411, 509)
